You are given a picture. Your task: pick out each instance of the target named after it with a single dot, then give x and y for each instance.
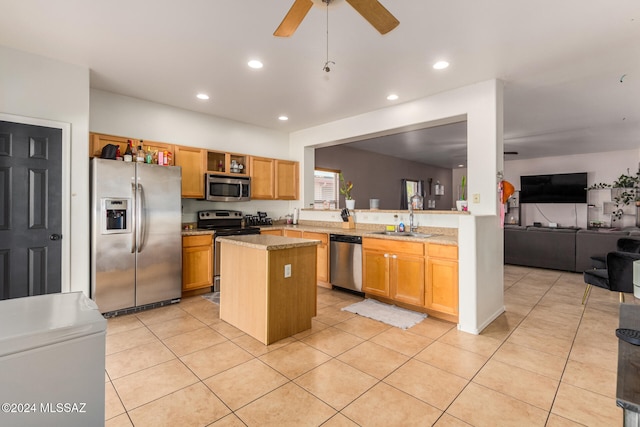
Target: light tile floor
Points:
(548, 360)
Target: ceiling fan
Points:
(371, 10)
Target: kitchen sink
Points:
(404, 234)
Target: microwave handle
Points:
(240, 193)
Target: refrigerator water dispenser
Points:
(116, 216)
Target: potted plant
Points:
(345, 190)
(461, 203)
(625, 191)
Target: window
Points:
(325, 190)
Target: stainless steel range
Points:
(224, 223)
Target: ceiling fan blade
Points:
(293, 18)
(371, 10)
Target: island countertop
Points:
(268, 242)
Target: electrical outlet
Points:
(287, 270)
(476, 198)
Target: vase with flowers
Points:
(461, 203)
(345, 190)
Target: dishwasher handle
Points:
(343, 238)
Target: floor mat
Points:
(214, 297)
(386, 313)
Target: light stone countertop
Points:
(268, 242)
(442, 239)
(438, 236)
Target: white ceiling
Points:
(562, 62)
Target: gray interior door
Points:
(30, 210)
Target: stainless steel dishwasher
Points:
(346, 261)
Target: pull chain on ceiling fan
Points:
(326, 64)
(371, 10)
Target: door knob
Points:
(55, 237)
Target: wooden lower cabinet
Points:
(375, 272)
(424, 276)
(277, 232)
(322, 255)
(197, 262)
(293, 233)
(408, 272)
(394, 269)
(442, 279)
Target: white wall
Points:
(481, 104)
(39, 88)
(125, 116)
(600, 167)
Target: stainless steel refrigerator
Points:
(136, 240)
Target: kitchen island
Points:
(268, 285)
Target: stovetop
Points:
(224, 222)
(236, 231)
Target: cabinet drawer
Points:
(442, 251)
(393, 246)
(323, 237)
(202, 240)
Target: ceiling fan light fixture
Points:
(392, 97)
(255, 64)
(202, 96)
(440, 65)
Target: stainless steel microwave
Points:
(220, 188)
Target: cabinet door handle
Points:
(394, 256)
(386, 255)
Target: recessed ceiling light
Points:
(283, 118)
(392, 97)
(254, 63)
(440, 65)
(202, 96)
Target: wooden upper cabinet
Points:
(97, 141)
(156, 147)
(221, 163)
(274, 179)
(192, 161)
(263, 184)
(287, 181)
(271, 179)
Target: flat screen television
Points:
(557, 188)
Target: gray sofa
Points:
(595, 242)
(553, 248)
(568, 249)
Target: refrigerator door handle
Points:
(141, 222)
(133, 222)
